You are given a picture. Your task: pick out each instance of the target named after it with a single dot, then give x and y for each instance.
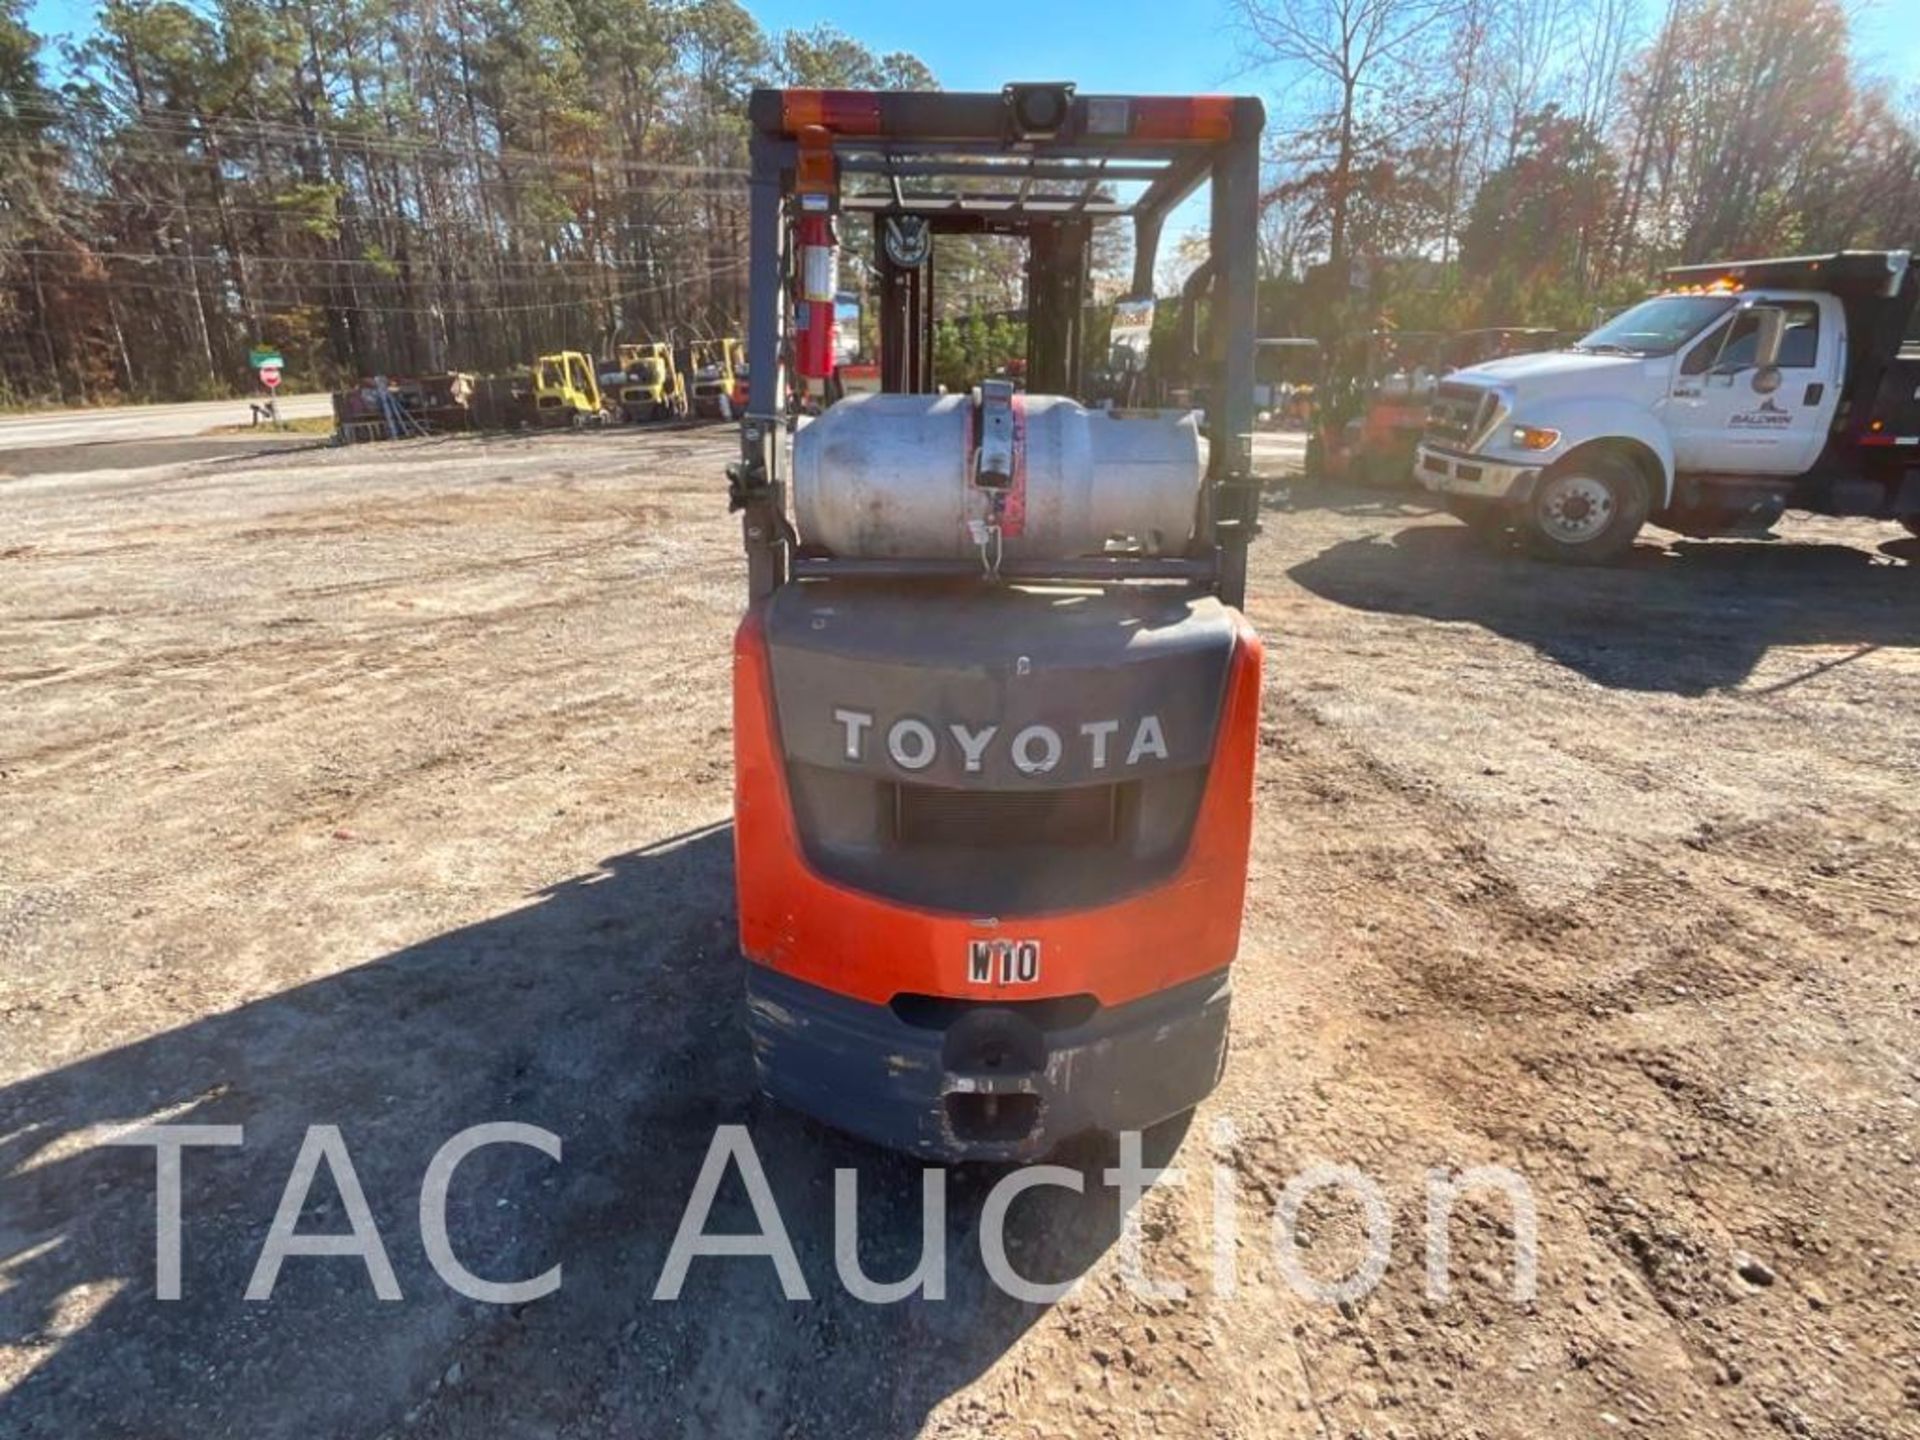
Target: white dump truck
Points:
(1741, 391)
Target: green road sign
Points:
(266, 355)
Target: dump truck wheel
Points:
(1587, 510)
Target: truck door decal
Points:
(1770, 416)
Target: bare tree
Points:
(1349, 52)
(1467, 116)
(1529, 38)
(1603, 32)
(1283, 239)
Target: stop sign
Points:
(270, 376)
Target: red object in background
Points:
(819, 283)
(270, 376)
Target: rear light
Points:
(845, 112)
(1201, 117)
(814, 171)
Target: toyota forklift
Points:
(995, 703)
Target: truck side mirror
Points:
(1772, 323)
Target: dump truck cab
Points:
(1743, 389)
(651, 386)
(996, 706)
(565, 390)
(1402, 370)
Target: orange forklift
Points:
(995, 704)
(1376, 445)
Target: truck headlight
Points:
(1532, 437)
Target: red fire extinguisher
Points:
(819, 283)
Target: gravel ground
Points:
(387, 788)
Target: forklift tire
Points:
(1586, 510)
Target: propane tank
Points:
(892, 477)
(819, 283)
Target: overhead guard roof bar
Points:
(1170, 142)
(911, 163)
(1051, 207)
(947, 117)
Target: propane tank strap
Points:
(994, 463)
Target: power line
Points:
(607, 195)
(200, 126)
(288, 211)
(390, 269)
(448, 310)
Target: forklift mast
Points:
(1038, 162)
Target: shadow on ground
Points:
(606, 1011)
(1299, 494)
(1687, 618)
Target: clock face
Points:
(908, 239)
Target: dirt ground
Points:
(388, 788)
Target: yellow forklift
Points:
(650, 385)
(719, 369)
(566, 391)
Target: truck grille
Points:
(1457, 414)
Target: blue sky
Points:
(1165, 46)
(1117, 45)
(1110, 45)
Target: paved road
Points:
(141, 422)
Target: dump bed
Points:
(1894, 410)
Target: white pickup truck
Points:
(1745, 389)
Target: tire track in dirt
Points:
(1558, 971)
